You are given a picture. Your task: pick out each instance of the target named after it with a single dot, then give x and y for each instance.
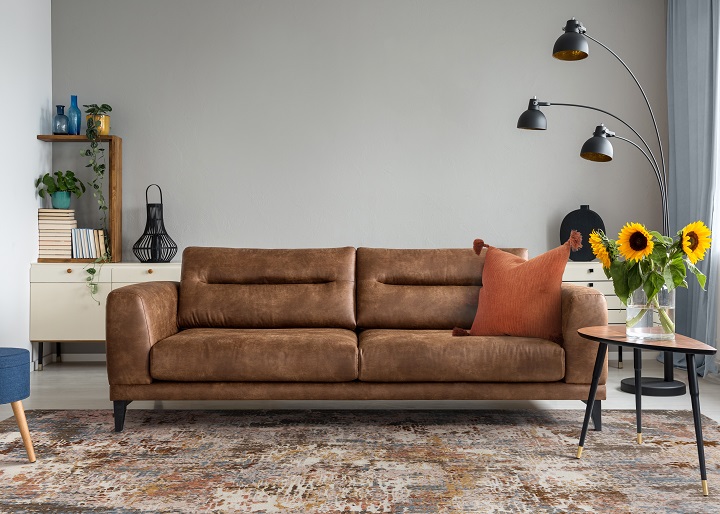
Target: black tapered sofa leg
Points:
(120, 408)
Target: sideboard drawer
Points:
(150, 272)
(604, 287)
(616, 317)
(613, 302)
(584, 272)
(65, 273)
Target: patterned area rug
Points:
(356, 461)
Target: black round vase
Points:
(584, 221)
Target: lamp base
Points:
(654, 387)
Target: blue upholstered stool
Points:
(14, 387)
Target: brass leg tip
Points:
(639, 438)
(579, 453)
(705, 488)
(620, 365)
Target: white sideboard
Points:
(591, 274)
(61, 307)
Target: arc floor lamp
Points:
(572, 45)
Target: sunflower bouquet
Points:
(647, 260)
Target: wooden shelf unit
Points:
(114, 196)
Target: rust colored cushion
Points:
(519, 297)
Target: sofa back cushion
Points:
(265, 288)
(419, 289)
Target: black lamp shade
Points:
(533, 118)
(597, 149)
(571, 46)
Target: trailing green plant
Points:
(93, 270)
(96, 156)
(59, 182)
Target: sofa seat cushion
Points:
(437, 356)
(256, 355)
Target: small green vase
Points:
(61, 199)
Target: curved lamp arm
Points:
(658, 176)
(647, 102)
(653, 163)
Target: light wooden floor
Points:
(84, 386)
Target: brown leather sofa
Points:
(335, 324)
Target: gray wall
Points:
(325, 123)
(25, 88)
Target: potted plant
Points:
(59, 187)
(98, 118)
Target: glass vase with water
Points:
(651, 319)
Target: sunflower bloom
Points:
(695, 240)
(599, 249)
(634, 242)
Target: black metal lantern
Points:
(155, 245)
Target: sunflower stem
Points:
(667, 324)
(634, 320)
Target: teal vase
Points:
(60, 199)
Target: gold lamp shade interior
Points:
(597, 157)
(570, 55)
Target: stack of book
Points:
(88, 243)
(54, 227)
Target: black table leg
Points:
(40, 356)
(599, 362)
(695, 400)
(637, 357)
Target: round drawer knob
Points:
(69, 270)
(150, 271)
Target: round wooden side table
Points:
(15, 387)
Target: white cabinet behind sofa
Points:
(61, 308)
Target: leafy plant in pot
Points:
(98, 124)
(99, 117)
(60, 186)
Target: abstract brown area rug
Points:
(407, 461)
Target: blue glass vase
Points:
(74, 119)
(60, 122)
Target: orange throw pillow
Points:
(522, 298)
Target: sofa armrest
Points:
(581, 307)
(137, 317)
